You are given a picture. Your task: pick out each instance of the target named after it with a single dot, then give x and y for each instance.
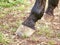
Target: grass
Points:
(45, 30)
(16, 9)
(3, 39)
(9, 3)
(58, 35)
(5, 11)
(51, 42)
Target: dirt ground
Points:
(48, 32)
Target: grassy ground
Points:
(48, 33)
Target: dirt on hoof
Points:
(48, 17)
(24, 31)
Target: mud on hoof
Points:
(24, 31)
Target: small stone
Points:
(43, 43)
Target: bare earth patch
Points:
(47, 32)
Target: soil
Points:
(38, 38)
